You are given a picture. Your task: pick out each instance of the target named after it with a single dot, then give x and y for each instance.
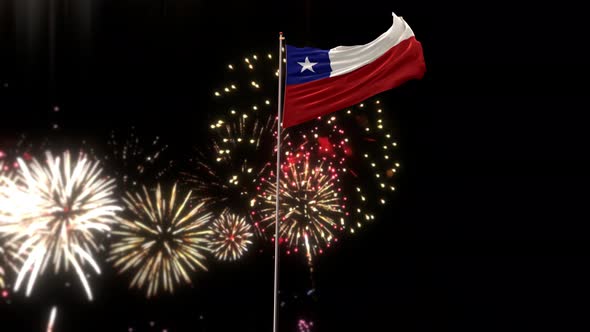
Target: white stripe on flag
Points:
(345, 59)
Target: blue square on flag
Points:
(306, 64)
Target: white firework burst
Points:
(160, 239)
(55, 210)
(231, 236)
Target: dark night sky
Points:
(487, 231)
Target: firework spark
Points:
(52, 317)
(7, 170)
(242, 131)
(134, 159)
(311, 206)
(55, 210)
(231, 236)
(371, 153)
(160, 239)
(366, 160)
(239, 153)
(304, 326)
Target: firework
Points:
(231, 236)
(160, 239)
(355, 146)
(242, 130)
(304, 326)
(226, 173)
(56, 210)
(356, 141)
(311, 206)
(366, 161)
(134, 160)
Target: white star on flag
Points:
(307, 65)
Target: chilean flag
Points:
(323, 81)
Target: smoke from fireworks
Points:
(160, 239)
(55, 210)
(231, 236)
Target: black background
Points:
(487, 231)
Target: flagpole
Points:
(278, 176)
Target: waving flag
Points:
(323, 81)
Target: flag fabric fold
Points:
(321, 81)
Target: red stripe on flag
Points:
(306, 101)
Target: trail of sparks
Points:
(52, 317)
(55, 210)
(7, 250)
(160, 239)
(9, 260)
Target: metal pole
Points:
(278, 176)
